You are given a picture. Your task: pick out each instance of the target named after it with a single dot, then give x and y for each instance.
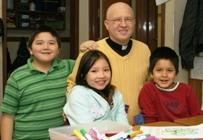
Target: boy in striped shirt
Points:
(35, 93)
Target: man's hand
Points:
(88, 45)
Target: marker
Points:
(150, 138)
(142, 137)
(104, 137)
(79, 135)
(86, 134)
(119, 135)
(94, 133)
(134, 133)
(147, 135)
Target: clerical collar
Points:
(121, 50)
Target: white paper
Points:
(175, 132)
(197, 72)
(158, 2)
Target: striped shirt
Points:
(36, 99)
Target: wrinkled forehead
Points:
(119, 11)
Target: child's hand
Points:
(88, 45)
(64, 117)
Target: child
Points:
(35, 93)
(164, 99)
(94, 98)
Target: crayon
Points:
(79, 135)
(86, 134)
(134, 134)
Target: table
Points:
(162, 123)
(190, 121)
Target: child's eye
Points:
(93, 71)
(38, 43)
(51, 43)
(107, 70)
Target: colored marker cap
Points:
(83, 131)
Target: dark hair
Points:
(87, 61)
(166, 53)
(43, 29)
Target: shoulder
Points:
(148, 88)
(149, 85)
(117, 96)
(102, 42)
(117, 93)
(137, 42)
(79, 90)
(140, 46)
(185, 87)
(67, 62)
(20, 72)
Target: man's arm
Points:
(7, 126)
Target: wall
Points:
(173, 21)
(83, 21)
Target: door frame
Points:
(4, 46)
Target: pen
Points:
(79, 135)
(134, 133)
(86, 134)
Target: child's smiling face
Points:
(44, 48)
(164, 74)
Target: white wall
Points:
(173, 21)
(83, 21)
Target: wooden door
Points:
(146, 22)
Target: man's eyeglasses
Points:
(119, 20)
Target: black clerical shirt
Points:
(118, 48)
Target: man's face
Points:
(120, 24)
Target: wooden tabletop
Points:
(162, 123)
(190, 121)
